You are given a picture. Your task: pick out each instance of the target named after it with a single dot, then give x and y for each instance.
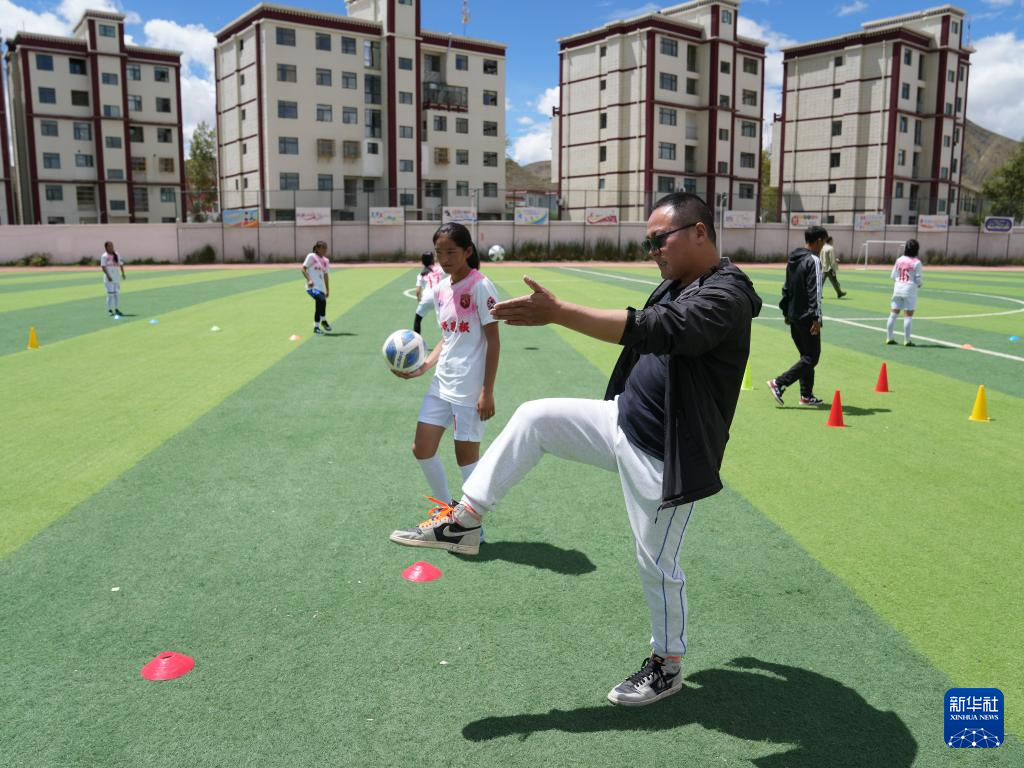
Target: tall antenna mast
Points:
(465, 16)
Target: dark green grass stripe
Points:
(92, 276)
(263, 554)
(57, 322)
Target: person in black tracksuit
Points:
(801, 308)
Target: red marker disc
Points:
(421, 572)
(167, 666)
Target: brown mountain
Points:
(534, 177)
(984, 153)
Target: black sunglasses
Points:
(656, 242)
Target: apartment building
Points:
(96, 125)
(874, 121)
(662, 102)
(347, 112)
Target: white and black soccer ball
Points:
(404, 351)
(496, 253)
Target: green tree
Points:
(1004, 189)
(769, 194)
(201, 172)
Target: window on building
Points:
(724, 102)
(323, 77)
(666, 150)
(943, 172)
(462, 189)
(110, 110)
(405, 97)
(47, 96)
(901, 157)
(723, 167)
(490, 66)
(349, 80)
(107, 30)
(837, 127)
(138, 164)
(285, 36)
(750, 66)
(831, 189)
(602, 85)
(161, 74)
(405, 132)
(723, 134)
(691, 86)
(404, 62)
(917, 132)
(748, 129)
(323, 41)
(669, 47)
(667, 116)
(407, 199)
(288, 181)
(82, 132)
(325, 148)
(163, 104)
(288, 110)
(108, 78)
(491, 159)
(371, 89)
(48, 128)
(433, 189)
(134, 72)
(462, 62)
(54, 192)
(602, 154)
(748, 160)
(76, 66)
(134, 103)
(371, 54)
(462, 157)
(959, 104)
(83, 161)
(600, 183)
(490, 189)
(440, 123)
(44, 62)
(666, 184)
(167, 195)
(462, 125)
(905, 91)
(960, 74)
(51, 160)
(726, 16)
(432, 62)
(833, 160)
(490, 98)
(838, 61)
(750, 98)
(86, 197)
(746, 191)
(348, 45)
(405, 166)
(324, 113)
(908, 57)
(898, 191)
(725, 67)
(288, 145)
(136, 133)
(603, 51)
(325, 181)
(164, 135)
(490, 128)
(691, 58)
(954, 165)
(903, 124)
(166, 164)
(956, 28)
(372, 120)
(668, 82)
(837, 93)
(349, 115)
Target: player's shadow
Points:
(536, 554)
(848, 410)
(339, 333)
(815, 721)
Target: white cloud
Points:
(547, 100)
(855, 7)
(1000, 3)
(533, 146)
(15, 19)
(72, 10)
(772, 69)
(525, 120)
(628, 13)
(195, 42)
(995, 76)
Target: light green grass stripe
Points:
(72, 427)
(860, 501)
(47, 296)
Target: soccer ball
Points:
(404, 351)
(496, 253)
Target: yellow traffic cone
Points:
(33, 340)
(980, 412)
(746, 379)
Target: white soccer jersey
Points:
(432, 278)
(316, 267)
(906, 274)
(112, 267)
(462, 312)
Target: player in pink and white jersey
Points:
(906, 276)
(426, 281)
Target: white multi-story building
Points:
(96, 126)
(662, 102)
(368, 109)
(874, 121)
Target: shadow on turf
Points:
(817, 721)
(536, 554)
(339, 333)
(848, 410)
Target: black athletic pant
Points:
(810, 350)
(320, 313)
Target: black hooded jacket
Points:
(801, 293)
(706, 333)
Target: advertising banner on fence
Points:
(997, 224)
(929, 223)
(602, 216)
(241, 217)
(386, 216)
(525, 215)
(804, 220)
(465, 215)
(738, 219)
(869, 222)
(312, 217)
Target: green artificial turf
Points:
(247, 527)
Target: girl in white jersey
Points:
(461, 394)
(113, 273)
(429, 276)
(316, 269)
(906, 277)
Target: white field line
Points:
(854, 321)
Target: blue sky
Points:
(530, 29)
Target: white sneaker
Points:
(443, 531)
(655, 680)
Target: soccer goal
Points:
(880, 246)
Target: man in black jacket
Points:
(662, 426)
(801, 309)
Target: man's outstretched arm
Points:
(543, 308)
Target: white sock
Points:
(433, 469)
(907, 322)
(890, 325)
(467, 470)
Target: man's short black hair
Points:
(814, 234)
(912, 247)
(687, 208)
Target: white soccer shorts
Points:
(441, 413)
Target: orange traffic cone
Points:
(33, 340)
(980, 411)
(883, 380)
(835, 416)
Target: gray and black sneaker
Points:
(655, 680)
(442, 530)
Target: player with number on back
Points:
(906, 276)
(461, 394)
(318, 285)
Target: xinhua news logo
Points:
(974, 717)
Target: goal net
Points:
(880, 250)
